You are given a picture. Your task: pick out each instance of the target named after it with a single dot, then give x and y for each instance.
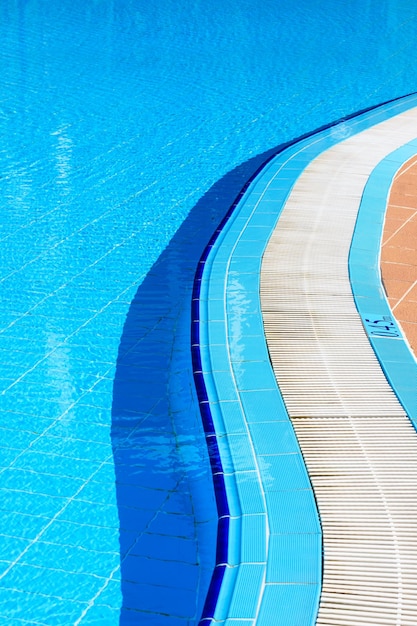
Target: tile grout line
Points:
(398, 229)
(404, 296)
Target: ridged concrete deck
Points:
(358, 443)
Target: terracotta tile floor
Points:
(399, 250)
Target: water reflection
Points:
(63, 157)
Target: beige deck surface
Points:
(399, 250)
(358, 444)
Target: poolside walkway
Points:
(358, 443)
(399, 250)
(291, 281)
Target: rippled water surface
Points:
(127, 128)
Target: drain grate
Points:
(359, 446)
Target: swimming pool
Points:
(126, 133)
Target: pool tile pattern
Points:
(101, 440)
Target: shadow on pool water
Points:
(167, 510)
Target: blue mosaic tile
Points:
(215, 290)
(18, 399)
(247, 591)
(12, 547)
(265, 217)
(88, 537)
(8, 456)
(242, 286)
(26, 423)
(59, 465)
(242, 455)
(264, 406)
(129, 519)
(73, 559)
(222, 602)
(233, 418)
(250, 324)
(73, 448)
(5, 566)
(294, 559)
(233, 531)
(298, 604)
(227, 235)
(281, 472)
(38, 504)
(205, 511)
(282, 504)
(225, 386)
(165, 547)
(18, 605)
(178, 502)
(133, 617)
(254, 547)
(4, 621)
(254, 375)
(219, 358)
(71, 426)
(258, 229)
(22, 525)
(60, 584)
(242, 299)
(176, 602)
(105, 474)
(273, 437)
(224, 463)
(244, 265)
(246, 248)
(17, 439)
(234, 502)
(15, 360)
(155, 475)
(250, 493)
(181, 526)
(141, 570)
(251, 349)
(136, 496)
(216, 332)
(91, 513)
(216, 415)
(100, 615)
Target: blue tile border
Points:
(226, 286)
(387, 339)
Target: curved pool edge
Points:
(384, 333)
(226, 406)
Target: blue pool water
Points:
(127, 129)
